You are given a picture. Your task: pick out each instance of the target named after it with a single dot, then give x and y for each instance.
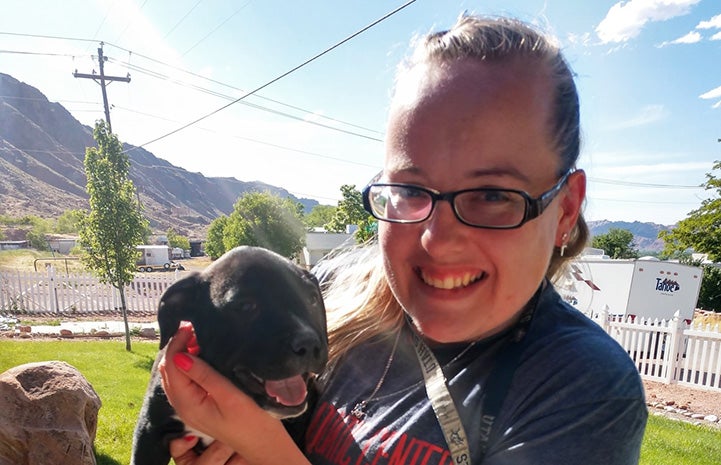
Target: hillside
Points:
(42, 147)
(645, 234)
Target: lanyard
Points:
(442, 403)
(499, 380)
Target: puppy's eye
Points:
(314, 299)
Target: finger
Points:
(183, 338)
(206, 378)
(180, 389)
(219, 453)
(181, 450)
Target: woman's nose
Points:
(443, 233)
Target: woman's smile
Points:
(449, 281)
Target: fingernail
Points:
(189, 438)
(193, 347)
(182, 361)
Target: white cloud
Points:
(714, 93)
(579, 39)
(690, 38)
(625, 20)
(713, 23)
(716, 36)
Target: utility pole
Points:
(103, 78)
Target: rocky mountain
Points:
(645, 235)
(42, 147)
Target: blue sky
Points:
(649, 76)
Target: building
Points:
(318, 243)
(59, 243)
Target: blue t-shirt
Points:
(576, 398)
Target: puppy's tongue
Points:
(289, 391)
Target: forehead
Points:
(480, 116)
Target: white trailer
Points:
(632, 288)
(154, 257)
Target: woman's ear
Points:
(572, 198)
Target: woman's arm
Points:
(210, 403)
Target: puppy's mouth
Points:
(282, 398)
(288, 392)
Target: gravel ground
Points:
(684, 402)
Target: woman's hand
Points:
(216, 454)
(210, 403)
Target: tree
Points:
(69, 222)
(617, 243)
(40, 228)
(264, 220)
(709, 296)
(700, 232)
(701, 229)
(115, 224)
(214, 246)
(350, 211)
(175, 240)
(319, 216)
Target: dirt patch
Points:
(696, 405)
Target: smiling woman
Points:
(446, 336)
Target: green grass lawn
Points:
(669, 442)
(120, 379)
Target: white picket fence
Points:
(52, 292)
(670, 351)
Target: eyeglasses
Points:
(488, 208)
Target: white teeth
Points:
(451, 282)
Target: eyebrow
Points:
(406, 168)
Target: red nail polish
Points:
(182, 361)
(189, 438)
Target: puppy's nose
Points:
(306, 345)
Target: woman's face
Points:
(466, 125)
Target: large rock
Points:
(48, 415)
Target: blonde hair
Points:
(358, 298)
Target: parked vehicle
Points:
(156, 258)
(632, 288)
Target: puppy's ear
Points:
(183, 300)
(310, 276)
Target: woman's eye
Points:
(409, 192)
(495, 196)
(488, 197)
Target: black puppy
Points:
(259, 321)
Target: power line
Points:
(642, 184)
(130, 22)
(216, 28)
(101, 80)
(218, 94)
(182, 19)
(253, 105)
(41, 36)
(20, 52)
(292, 70)
(655, 202)
(161, 76)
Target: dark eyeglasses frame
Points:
(534, 206)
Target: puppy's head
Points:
(259, 320)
